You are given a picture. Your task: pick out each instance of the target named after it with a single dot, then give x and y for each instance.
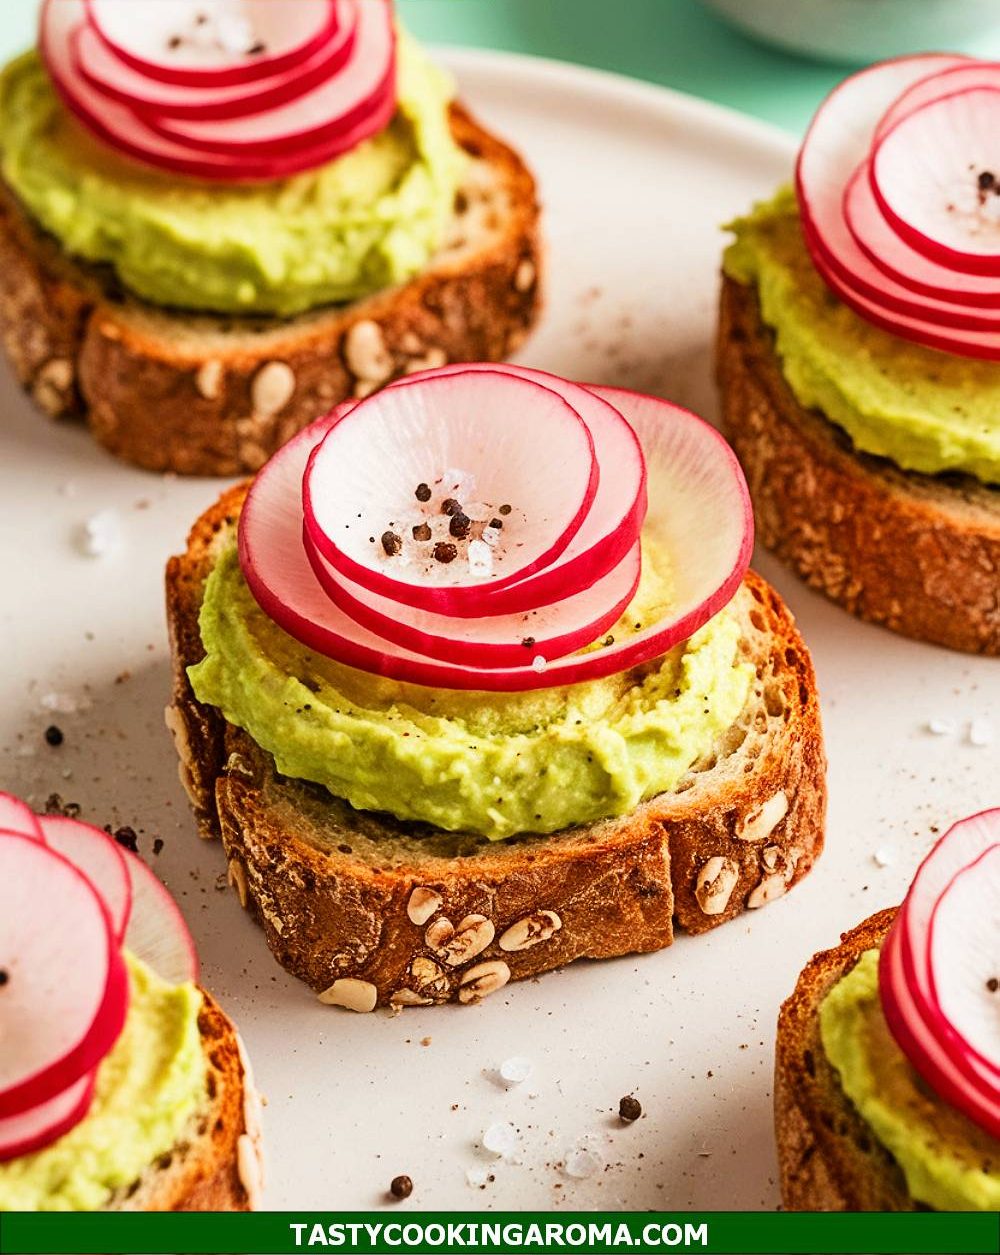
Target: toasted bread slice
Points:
(917, 553)
(828, 1157)
(346, 898)
(217, 1166)
(202, 395)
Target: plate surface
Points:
(635, 182)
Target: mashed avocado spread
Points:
(148, 1087)
(948, 1162)
(367, 220)
(927, 411)
(490, 763)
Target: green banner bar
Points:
(721, 1233)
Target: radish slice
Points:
(64, 1001)
(700, 516)
(212, 42)
(342, 101)
(883, 247)
(114, 78)
(157, 933)
(551, 631)
(927, 172)
(516, 448)
(40, 1126)
(942, 941)
(100, 858)
(962, 945)
(17, 816)
(614, 521)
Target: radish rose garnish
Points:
(455, 529)
(898, 183)
(68, 895)
(225, 89)
(940, 966)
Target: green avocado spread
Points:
(490, 763)
(925, 410)
(949, 1163)
(367, 220)
(148, 1087)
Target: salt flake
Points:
(980, 733)
(516, 1071)
(501, 1138)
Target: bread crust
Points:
(828, 1157)
(334, 909)
(203, 1172)
(202, 395)
(919, 554)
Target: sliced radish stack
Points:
(195, 97)
(939, 965)
(212, 42)
(893, 183)
(515, 458)
(68, 893)
(700, 520)
(66, 989)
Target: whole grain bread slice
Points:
(370, 911)
(917, 553)
(216, 1165)
(200, 395)
(828, 1157)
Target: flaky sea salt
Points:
(882, 857)
(941, 727)
(477, 1175)
(101, 534)
(582, 1162)
(500, 1138)
(538, 663)
(515, 1071)
(480, 558)
(980, 733)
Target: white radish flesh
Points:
(101, 860)
(157, 933)
(38, 1127)
(17, 816)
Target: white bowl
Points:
(859, 31)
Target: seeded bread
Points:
(217, 1166)
(828, 1157)
(370, 911)
(917, 553)
(200, 395)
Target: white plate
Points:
(635, 181)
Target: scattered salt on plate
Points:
(501, 1138)
(516, 1070)
(101, 534)
(941, 727)
(980, 733)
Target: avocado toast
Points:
(857, 396)
(128, 1087)
(639, 814)
(868, 1115)
(196, 322)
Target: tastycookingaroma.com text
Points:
(508, 1235)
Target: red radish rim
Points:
(232, 102)
(929, 88)
(45, 1136)
(260, 67)
(117, 899)
(140, 922)
(571, 571)
(374, 47)
(12, 808)
(397, 631)
(954, 259)
(977, 291)
(936, 1008)
(443, 599)
(96, 1040)
(893, 986)
(400, 665)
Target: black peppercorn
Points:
(423, 492)
(445, 552)
(460, 525)
(629, 1108)
(401, 1187)
(451, 506)
(421, 531)
(54, 735)
(391, 543)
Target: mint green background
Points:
(674, 42)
